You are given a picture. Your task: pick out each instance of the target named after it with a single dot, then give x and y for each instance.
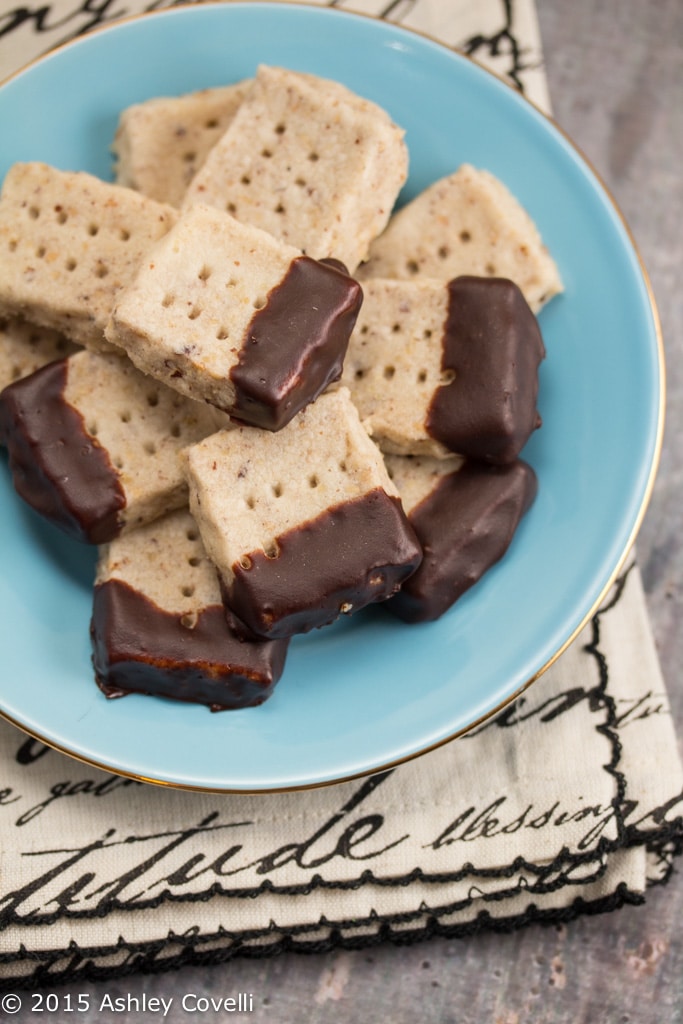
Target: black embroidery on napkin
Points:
(31, 750)
(502, 42)
(39, 18)
(609, 727)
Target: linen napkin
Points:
(569, 801)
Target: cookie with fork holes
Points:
(68, 244)
(161, 143)
(310, 161)
(466, 223)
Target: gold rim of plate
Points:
(641, 512)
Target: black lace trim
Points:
(200, 950)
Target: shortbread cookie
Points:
(68, 243)
(309, 161)
(467, 223)
(160, 144)
(158, 625)
(465, 515)
(439, 367)
(94, 444)
(303, 525)
(223, 312)
(24, 347)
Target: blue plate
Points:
(370, 691)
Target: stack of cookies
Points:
(269, 399)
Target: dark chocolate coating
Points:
(296, 343)
(57, 467)
(351, 555)
(493, 345)
(139, 648)
(465, 525)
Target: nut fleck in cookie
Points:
(465, 515)
(438, 367)
(466, 223)
(309, 161)
(160, 144)
(158, 624)
(25, 347)
(303, 525)
(224, 312)
(68, 243)
(94, 445)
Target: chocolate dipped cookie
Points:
(436, 367)
(158, 626)
(465, 515)
(303, 525)
(223, 312)
(94, 445)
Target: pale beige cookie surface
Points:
(158, 624)
(309, 161)
(466, 223)
(24, 347)
(68, 243)
(161, 144)
(121, 433)
(393, 362)
(166, 561)
(416, 477)
(303, 525)
(222, 311)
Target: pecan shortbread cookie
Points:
(308, 160)
(466, 223)
(465, 515)
(160, 144)
(25, 347)
(68, 244)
